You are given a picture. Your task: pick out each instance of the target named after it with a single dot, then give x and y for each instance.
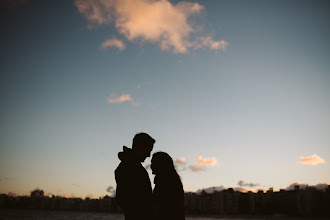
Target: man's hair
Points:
(142, 139)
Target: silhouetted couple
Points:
(134, 193)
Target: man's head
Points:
(142, 145)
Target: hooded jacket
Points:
(134, 192)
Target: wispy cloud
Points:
(196, 168)
(181, 160)
(111, 190)
(180, 163)
(202, 163)
(208, 42)
(211, 189)
(242, 183)
(312, 160)
(113, 42)
(155, 21)
(114, 98)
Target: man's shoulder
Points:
(121, 166)
(124, 166)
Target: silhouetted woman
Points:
(168, 194)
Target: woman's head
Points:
(161, 162)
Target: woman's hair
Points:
(164, 162)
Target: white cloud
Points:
(113, 98)
(180, 163)
(312, 160)
(208, 42)
(322, 186)
(196, 168)
(155, 21)
(181, 160)
(113, 42)
(206, 162)
(241, 189)
(202, 163)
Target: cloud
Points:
(211, 189)
(155, 21)
(196, 168)
(111, 190)
(202, 163)
(292, 185)
(113, 42)
(241, 189)
(114, 98)
(206, 162)
(180, 160)
(319, 186)
(208, 42)
(242, 183)
(312, 160)
(180, 163)
(322, 186)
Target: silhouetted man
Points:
(134, 192)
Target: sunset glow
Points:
(236, 92)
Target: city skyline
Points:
(237, 93)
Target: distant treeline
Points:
(297, 202)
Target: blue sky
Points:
(236, 90)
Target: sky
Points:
(236, 92)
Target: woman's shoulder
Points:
(168, 181)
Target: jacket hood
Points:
(126, 154)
